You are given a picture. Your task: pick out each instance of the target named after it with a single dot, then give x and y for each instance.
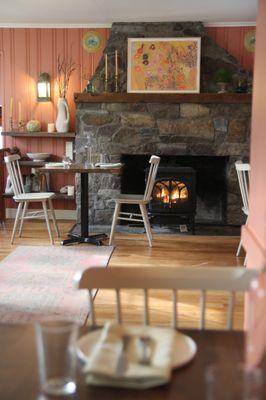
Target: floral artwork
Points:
(167, 65)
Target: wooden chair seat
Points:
(33, 197)
(245, 211)
(131, 199)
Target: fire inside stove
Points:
(170, 192)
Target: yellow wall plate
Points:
(92, 41)
(250, 40)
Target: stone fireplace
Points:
(118, 129)
(191, 129)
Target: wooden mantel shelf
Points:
(40, 134)
(229, 98)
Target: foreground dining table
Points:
(19, 372)
(80, 234)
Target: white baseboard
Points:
(60, 214)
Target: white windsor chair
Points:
(229, 279)
(24, 199)
(141, 200)
(243, 175)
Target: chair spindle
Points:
(146, 307)
(174, 316)
(230, 313)
(118, 307)
(202, 309)
(92, 311)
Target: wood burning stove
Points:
(174, 194)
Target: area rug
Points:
(38, 281)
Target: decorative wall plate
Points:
(92, 41)
(250, 40)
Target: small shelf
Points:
(29, 163)
(205, 98)
(58, 196)
(55, 135)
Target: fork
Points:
(145, 358)
(122, 361)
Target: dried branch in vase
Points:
(65, 68)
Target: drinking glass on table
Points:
(234, 382)
(56, 353)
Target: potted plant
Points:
(223, 77)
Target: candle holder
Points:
(11, 125)
(116, 83)
(106, 85)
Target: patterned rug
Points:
(37, 281)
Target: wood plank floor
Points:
(168, 250)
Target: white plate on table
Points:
(184, 350)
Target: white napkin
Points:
(101, 365)
(54, 164)
(108, 165)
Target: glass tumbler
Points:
(56, 353)
(234, 382)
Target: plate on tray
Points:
(184, 350)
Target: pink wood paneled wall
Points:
(254, 234)
(24, 54)
(231, 38)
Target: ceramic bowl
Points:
(38, 156)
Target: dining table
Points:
(80, 231)
(19, 369)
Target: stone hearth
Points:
(116, 129)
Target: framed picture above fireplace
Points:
(163, 65)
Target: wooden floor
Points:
(168, 250)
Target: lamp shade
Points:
(44, 87)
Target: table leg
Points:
(84, 236)
(84, 205)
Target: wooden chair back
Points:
(243, 175)
(154, 161)
(13, 169)
(2, 186)
(229, 279)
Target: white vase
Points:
(62, 120)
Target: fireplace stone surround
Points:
(204, 124)
(116, 128)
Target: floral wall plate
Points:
(250, 40)
(92, 41)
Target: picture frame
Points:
(164, 65)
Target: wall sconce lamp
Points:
(44, 87)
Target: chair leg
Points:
(53, 217)
(22, 218)
(240, 243)
(16, 222)
(114, 223)
(239, 248)
(44, 206)
(146, 223)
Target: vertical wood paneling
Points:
(25, 54)
(232, 40)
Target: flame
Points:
(182, 194)
(179, 192)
